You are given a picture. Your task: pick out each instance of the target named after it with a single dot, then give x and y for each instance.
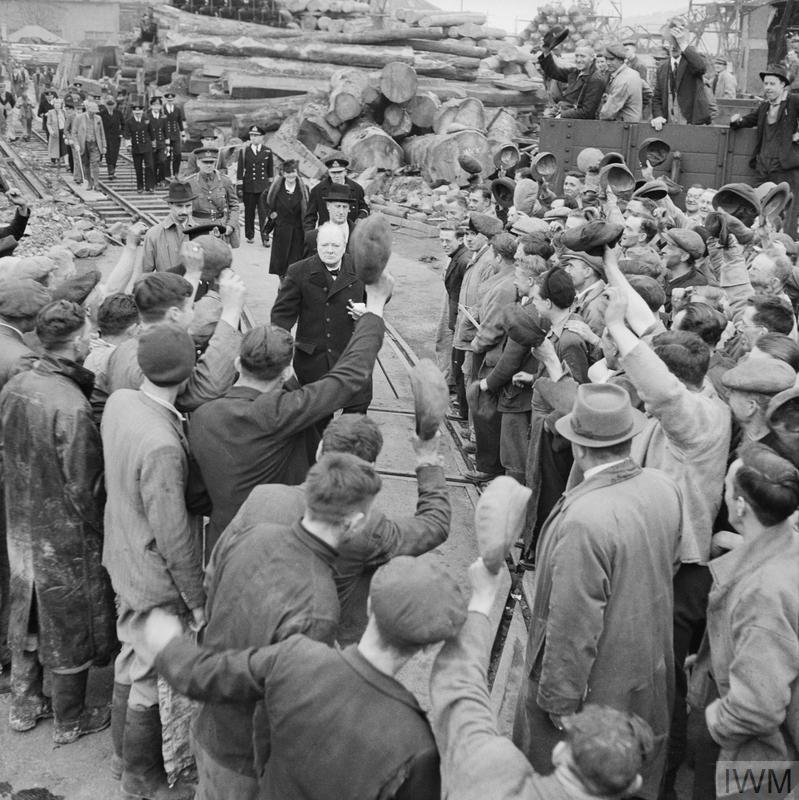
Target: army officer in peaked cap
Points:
(254, 174)
(215, 196)
(317, 212)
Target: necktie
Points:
(334, 273)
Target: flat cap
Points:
(470, 164)
(560, 212)
(592, 237)
(502, 190)
(485, 224)
(595, 262)
(738, 199)
(22, 298)
(686, 239)
(653, 150)
(499, 519)
(762, 375)
(525, 194)
(615, 51)
(654, 190)
(529, 225)
(166, 354)
(217, 255)
(525, 325)
(417, 601)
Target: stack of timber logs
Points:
(416, 92)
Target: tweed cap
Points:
(761, 375)
(166, 354)
(684, 238)
(470, 164)
(525, 326)
(217, 255)
(592, 237)
(22, 298)
(485, 224)
(595, 262)
(615, 51)
(417, 601)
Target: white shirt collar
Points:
(589, 473)
(11, 328)
(164, 403)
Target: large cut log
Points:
(243, 85)
(398, 82)
(205, 112)
(459, 115)
(182, 22)
(427, 66)
(503, 126)
(314, 128)
(396, 121)
(437, 155)
(222, 66)
(374, 36)
(351, 55)
(204, 84)
(423, 109)
(446, 20)
(367, 146)
(490, 96)
(472, 31)
(347, 87)
(451, 47)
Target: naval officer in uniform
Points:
(140, 135)
(215, 196)
(254, 174)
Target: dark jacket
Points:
(53, 484)
(254, 172)
(311, 299)
(15, 228)
(328, 714)
(140, 134)
(248, 437)
(453, 278)
(271, 582)
(602, 612)
(174, 123)
(113, 122)
(691, 96)
(787, 124)
(317, 208)
(158, 129)
(15, 355)
(381, 538)
(583, 89)
(515, 358)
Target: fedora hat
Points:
(653, 150)
(617, 177)
(470, 164)
(740, 200)
(338, 193)
(778, 71)
(602, 416)
(180, 192)
(776, 200)
(502, 190)
(589, 158)
(611, 158)
(544, 165)
(501, 149)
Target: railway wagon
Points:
(710, 155)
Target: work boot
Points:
(119, 710)
(73, 718)
(28, 703)
(143, 775)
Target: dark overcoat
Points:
(53, 477)
(691, 96)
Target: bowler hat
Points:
(602, 416)
(654, 190)
(338, 193)
(593, 237)
(470, 164)
(554, 36)
(180, 192)
(501, 149)
(778, 71)
(617, 177)
(687, 240)
(589, 158)
(544, 165)
(653, 150)
(740, 200)
(761, 375)
(417, 601)
(502, 190)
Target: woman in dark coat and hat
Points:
(286, 203)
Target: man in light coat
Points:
(601, 617)
(88, 135)
(624, 95)
(749, 659)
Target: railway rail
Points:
(122, 203)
